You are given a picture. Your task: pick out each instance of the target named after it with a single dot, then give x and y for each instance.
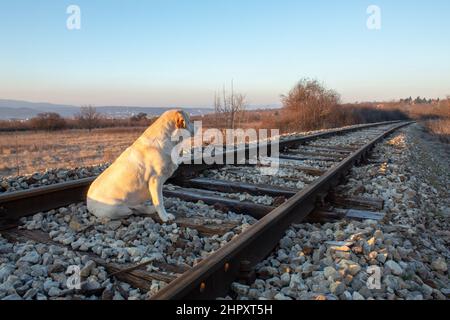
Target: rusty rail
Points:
(212, 277)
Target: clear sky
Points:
(178, 52)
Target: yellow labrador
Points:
(139, 174)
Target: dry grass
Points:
(436, 118)
(440, 128)
(27, 152)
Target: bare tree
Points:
(88, 117)
(229, 106)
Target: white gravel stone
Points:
(239, 288)
(285, 279)
(14, 297)
(330, 272)
(394, 267)
(31, 257)
(337, 288)
(280, 296)
(88, 268)
(439, 265)
(5, 272)
(357, 296)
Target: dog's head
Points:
(181, 120)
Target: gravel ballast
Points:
(409, 249)
(132, 241)
(49, 177)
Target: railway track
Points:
(310, 166)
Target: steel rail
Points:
(212, 277)
(16, 205)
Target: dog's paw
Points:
(167, 218)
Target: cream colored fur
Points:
(139, 173)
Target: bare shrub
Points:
(439, 128)
(88, 118)
(308, 103)
(439, 122)
(141, 116)
(14, 125)
(48, 121)
(142, 119)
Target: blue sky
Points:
(178, 52)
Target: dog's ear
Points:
(181, 123)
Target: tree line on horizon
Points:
(309, 105)
(88, 118)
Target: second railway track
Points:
(241, 217)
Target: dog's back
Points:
(114, 187)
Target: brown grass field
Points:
(436, 119)
(30, 151)
(440, 128)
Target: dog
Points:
(140, 172)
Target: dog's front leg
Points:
(156, 191)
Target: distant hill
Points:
(16, 109)
(17, 113)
